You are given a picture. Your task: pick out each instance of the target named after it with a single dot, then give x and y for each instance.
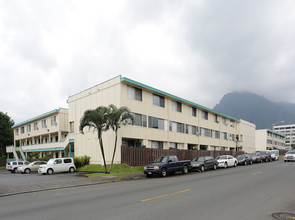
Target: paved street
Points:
(249, 192)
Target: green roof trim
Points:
(37, 117)
(124, 79)
(276, 133)
(44, 149)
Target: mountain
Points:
(256, 109)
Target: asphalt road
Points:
(249, 192)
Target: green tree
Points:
(98, 120)
(6, 132)
(115, 119)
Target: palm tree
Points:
(116, 118)
(97, 119)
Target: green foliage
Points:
(6, 134)
(35, 156)
(3, 157)
(81, 161)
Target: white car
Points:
(58, 165)
(226, 161)
(289, 156)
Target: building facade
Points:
(161, 121)
(44, 134)
(289, 132)
(266, 139)
(246, 136)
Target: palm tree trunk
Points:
(114, 150)
(102, 152)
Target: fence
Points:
(2, 163)
(143, 156)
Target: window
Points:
(194, 111)
(190, 129)
(205, 132)
(16, 131)
(53, 120)
(157, 144)
(58, 161)
(22, 130)
(44, 123)
(204, 115)
(72, 126)
(159, 100)
(158, 123)
(224, 135)
(176, 127)
(176, 106)
(224, 121)
(134, 93)
(68, 160)
(28, 128)
(173, 145)
(215, 134)
(139, 120)
(232, 124)
(35, 126)
(215, 118)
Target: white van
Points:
(275, 154)
(58, 165)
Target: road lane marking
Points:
(285, 165)
(255, 173)
(170, 194)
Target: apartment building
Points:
(266, 139)
(289, 132)
(44, 134)
(162, 120)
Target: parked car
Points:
(32, 167)
(275, 154)
(226, 161)
(58, 165)
(244, 159)
(204, 163)
(289, 156)
(167, 164)
(265, 157)
(13, 165)
(256, 157)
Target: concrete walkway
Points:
(66, 183)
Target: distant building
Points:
(289, 132)
(247, 136)
(44, 134)
(266, 139)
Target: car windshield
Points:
(31, 164)
(291, 152)
(252, 154)
(222, 158)
(199, 159)
(51, 161)
(241, 157)
(262, 153)
(158, 160)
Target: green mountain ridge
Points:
(256, 109)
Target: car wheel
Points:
(27, 171)
(164, 172)
(245, 163)
(251, 162)
(225, 165)
(214, 167)
(14, 171)
(72, 170)
(185, 169)
(235, 164)
(50, 171)
(202, 168)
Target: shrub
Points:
(81, 161)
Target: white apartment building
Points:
(266, 139)
(162, 120)
(44, 134)
(289, 132)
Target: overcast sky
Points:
(197, 50)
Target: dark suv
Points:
(244, 159)
(265, 157)
(256, 157)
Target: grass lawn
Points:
(116, 169)
(3, 168)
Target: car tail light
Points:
(10, 166)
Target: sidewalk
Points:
(60, 184)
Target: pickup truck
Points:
(167, 164)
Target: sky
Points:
(198, 50)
